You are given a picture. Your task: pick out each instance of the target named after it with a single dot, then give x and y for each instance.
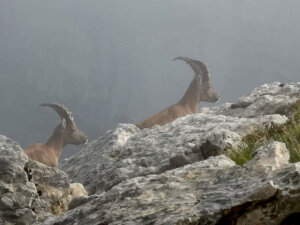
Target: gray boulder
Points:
(271, 156)
(17, 193)
(213, 191)
(30, 191)
(267, 99)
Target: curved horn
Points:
(61, 110)
(198, 67)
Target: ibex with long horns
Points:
(200, 89)
(65, 133)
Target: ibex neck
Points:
(191, 98)
(56, 142)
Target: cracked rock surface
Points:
(213, 191)
(30, 192)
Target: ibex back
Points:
(200, 89)
(65, 133)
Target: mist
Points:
(111, 62)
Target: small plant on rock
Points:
(288, 133)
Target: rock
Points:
(271, 156)
(77, 195)
(77, 190)
(172, 174)
(274, 98)
(78, 201)
(128, 152)
(213, 191)
(17, 194)
(19, 216)
(30, 191)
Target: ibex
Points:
(65, 133)
(200, 89)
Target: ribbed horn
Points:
(198, 67)
(61, 110)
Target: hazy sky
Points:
(110, 61)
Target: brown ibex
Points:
(200, 89)
(65, 133)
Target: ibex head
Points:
(202, 76)
(67, 129)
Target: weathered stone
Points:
(17, 217)
(270, 157)
(213, 191)
(274, 98)
(16, 193)
(77, 190)
(78, 201)
(77, 194)
(31, 191)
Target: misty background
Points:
(110, 61)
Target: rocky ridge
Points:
(128, 152)
(172, 174)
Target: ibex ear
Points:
(63, 124)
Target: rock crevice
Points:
(30, 192)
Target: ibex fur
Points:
(65, 133)
(200, 89)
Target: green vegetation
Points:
(288, 133)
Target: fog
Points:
(111, 62)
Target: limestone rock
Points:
(271, 156)
(77, 190)
(274, 98)
(31, 191)
(213, 191)
(17, 193)
(76, 195)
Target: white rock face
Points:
(272, 156)
(128, 152)
(265, 100)
(17, 194)
(30, 191)
(213, 191)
